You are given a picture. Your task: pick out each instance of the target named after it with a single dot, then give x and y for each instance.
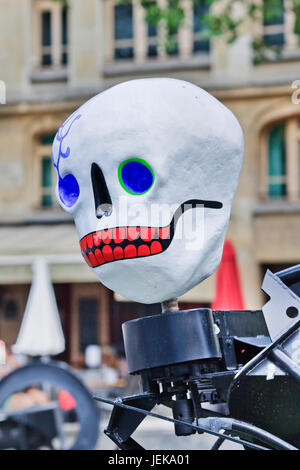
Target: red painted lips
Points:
(113, 244)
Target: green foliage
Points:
(221, 20)
(65, 3)
(272, 11)
(172, 17)
(296, 8)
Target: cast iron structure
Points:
(244, 364)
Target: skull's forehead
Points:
(162, 120)
(154, 108)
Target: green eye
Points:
(136, 176)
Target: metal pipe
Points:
(286, 363)
(263, 436)
(170, 306)
(198, 428)
(290, 276)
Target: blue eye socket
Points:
(68, 190)
(136, 176)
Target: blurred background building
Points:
(53, 59)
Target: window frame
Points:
(42, 151)
(88, 291)
(141, 40)
(9, 327)
(292, 159)
(123, 43)
(277, 182)
(290, 39)
(56, 49)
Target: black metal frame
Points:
(126, 418)
(129, 412)
(204, 370)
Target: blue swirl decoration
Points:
(68, 187)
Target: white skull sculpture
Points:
(148, 144)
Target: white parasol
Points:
(41, 332)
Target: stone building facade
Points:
(53, 59)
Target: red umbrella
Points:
(229, 294)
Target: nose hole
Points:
(103, 204)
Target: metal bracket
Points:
(283, 309)
(117, 431)
(123, 422)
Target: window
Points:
(277, 162)
(11, 310)
(90, 319)
(123, 21)
(278, 28)
(280, 178)
(46, 172)
(50, 35)
(274, 27)
(129, 37)
(46, 179)
(200, 9)
(152, 40)
(12, 306)
(88, 322)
